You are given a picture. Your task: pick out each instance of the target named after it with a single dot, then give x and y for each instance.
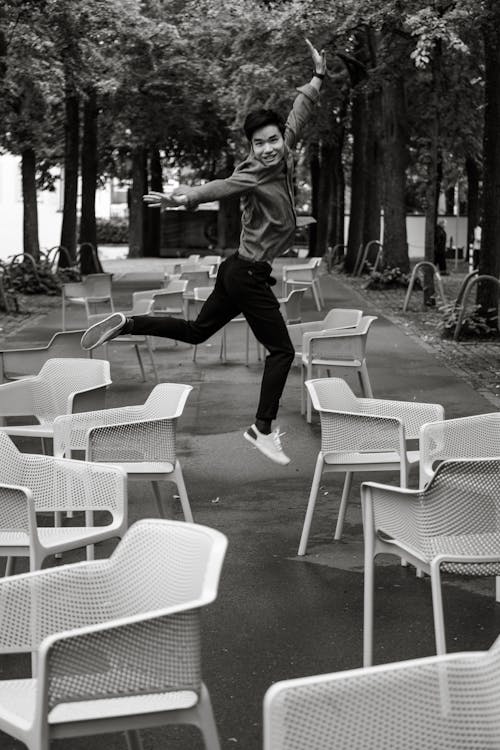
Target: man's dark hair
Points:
(259, 118)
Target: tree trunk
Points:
(30, 208)
(358, 182)
(153, 215)
(325, 188)
(337, 224)
(71, 160)
(394, 165)
(473, 174)
(136, 224)
(314, 166)
(371, 225)
(88, 227)
(489, 257)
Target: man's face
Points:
(268, 145)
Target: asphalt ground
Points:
(277, 615)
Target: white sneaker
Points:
(269, 445)
(103, 331)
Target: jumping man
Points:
(243, 285)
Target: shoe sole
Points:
(92, 338)
(253, 443)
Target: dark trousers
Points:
(241, 286)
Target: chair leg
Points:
(89, 521)
(178, 478)
(369, 589)
(437, 609)
(152, 358)
(206, 720)
(139, 359)
(10, 566)
(311, 504)
(497, 589)
(302, 389)
(317, 300)
(133, 739)
(159, 504)
(308, 397)
(365, 381)
(63, 322)
(343, 504)
(247, 350)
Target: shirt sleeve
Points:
(301, 112)
(243, 180)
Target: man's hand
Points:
(163, 201)
(318, 58)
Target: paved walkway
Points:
(277, 615)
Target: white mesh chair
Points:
(140, 439)
(18, 363)
(31, 484)
(305, 275)
(62, 386)
(92, 293)
(291, 306)
(142, 305)
(335, 348)
(466, 437)
(117, 647)
(445, 702)
(452, 526)
(361, 434)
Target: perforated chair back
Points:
(17, 363)
(340, 317)
(111, 630)
(335, 394)
(50, 393)
(436, 703)
(477, 436)
(291, 306)
(165, 402)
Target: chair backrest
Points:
(176, 285)
(143, 630)
(341, 344)
(291, 306)
(198, 277)
(202, 293)
(477, 436)
(21, 362)
(165, 402)
(437, 703)
(342, 318)
(332, 394)
(51, 392)
(59, 378)
(97, 285)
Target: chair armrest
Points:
(71, 430)
(296, 331)
(146, 440)
(393, 510)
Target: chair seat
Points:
(17, 705)
(368, 460)
(84, 300)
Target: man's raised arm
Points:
(304, 103)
